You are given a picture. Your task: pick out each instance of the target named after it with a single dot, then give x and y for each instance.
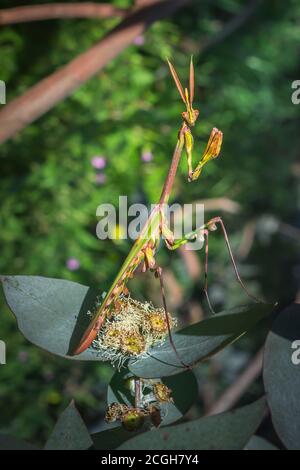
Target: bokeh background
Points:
(246, 56)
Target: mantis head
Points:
(190, 115)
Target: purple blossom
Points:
(23, 356)
(98, 162)
(73, 264)
(139, 40)
(147, 156)
(49, 376)
(100, 178)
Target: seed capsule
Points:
(155, 415)
(133, 420)
(162, 393)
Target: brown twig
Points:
(137, 392)
(236, 390)
(247, 239)
(220, 203)
(59, 10)
(195, 312)
(192, 263)
(174, 288)
(51, 90)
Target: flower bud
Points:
(162, 393)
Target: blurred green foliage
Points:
(49, 192)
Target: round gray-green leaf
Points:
(227, 431)
(281, 375)
(51, 313)
(70, 432)
(110, 439)
(199, 341)
(259, 443)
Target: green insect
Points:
(144, 249)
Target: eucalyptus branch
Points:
(231, 396)
(59, 10)
(43, 96)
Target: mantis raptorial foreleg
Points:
(189, 145)
(211, 151)
(213, 223)
(190, 116)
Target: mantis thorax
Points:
(190, 117)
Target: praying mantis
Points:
(144, 249)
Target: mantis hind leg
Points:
(211, 226)
(204, 231)
(173, 244)
(159, 275)
(205, 288)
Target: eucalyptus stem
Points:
(137, 392)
